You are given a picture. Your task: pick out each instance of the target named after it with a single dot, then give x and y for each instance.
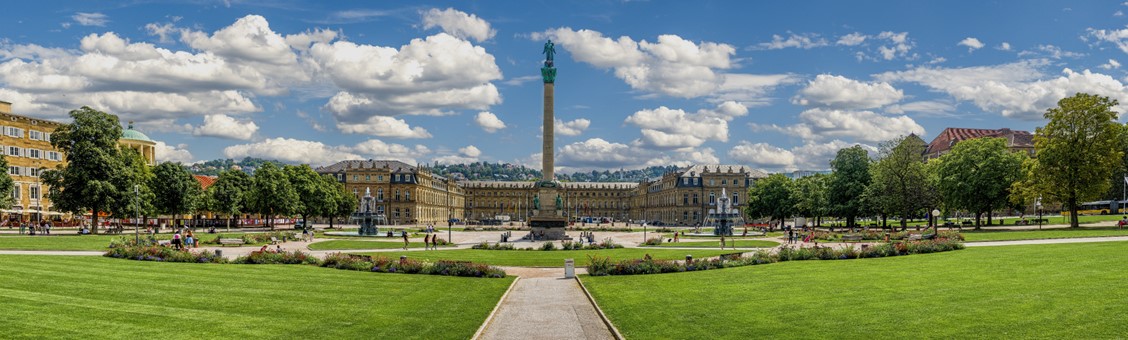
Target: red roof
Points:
(950, 136)
(205, 181)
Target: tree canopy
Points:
(6, 185)
(229, 194)
(848, 183)
(1077, 151)
(811, 196)
(977, 175)
(86, 182)
(177, 191)
(771, 197)
(271, 193)
(899, 181)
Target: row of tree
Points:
(1080, 149)
(100, 177)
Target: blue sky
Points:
(774, 85)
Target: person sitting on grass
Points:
(263, 249)
(1122, 222)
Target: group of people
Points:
(187, 240)
(32, 228)
(430, 241)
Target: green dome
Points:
(134, 134)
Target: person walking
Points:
(790, 236)
(722, 242)
(427, 242)
(404, 233)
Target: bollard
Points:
(219, 253)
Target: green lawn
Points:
(353, 244)
(977, 236)
(99, 298)
(1061, 291)
(86, 242)
(555, 258)
(717, 244)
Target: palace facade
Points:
(408, 194)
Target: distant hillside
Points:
(214, 167)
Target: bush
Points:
(943, 242)
(286, 257)
(548, 246)
(346, 261)
(463, 268)
(164, 254)
(653, 241)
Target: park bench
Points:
(914, 237)
(233, 241)
(273, 240)
(851, 238)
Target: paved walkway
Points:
(546, 308)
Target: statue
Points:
(536, 202)
(549, 52)
(559, 202)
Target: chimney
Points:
(5, 107)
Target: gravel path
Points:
(546, 308)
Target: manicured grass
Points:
(86, 242)
(99, 298)
(717, 244)
(53, 242)
(555, 258)
(978, 236)
(1059, 291)
(352, 244)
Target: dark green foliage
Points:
(229, 194)
(977, 175)
(6, 184)
(271, 193)
(771, 197)
(900, 184)
(177, 192)
(164, 254)
(848, 183)
(93, 162)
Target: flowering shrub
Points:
(549, 246)
(164, 254)
(463, 268)
(653, 241)
(495, 246)
(286, 257)
(604, 266)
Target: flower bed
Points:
(286, 257)
(875, 235)
(550, 246)
(604, 266)
(164, 254)
(408, 266)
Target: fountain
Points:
(724, 217)
(365, 217)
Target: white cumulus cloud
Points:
(666, 128)
(317, 153)
(571, 128)
(971, 43)
(172, 153)
(868, 126)
(845, 93)
(458, 24)
(489, 122)
(223, 126)
(803, 41)
(383, 126)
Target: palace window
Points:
(397, 195)
(16, 192)
(14, 170)
(694, 198)
(34, 192)
(14, 132)
(13, 151)
(36, 135)
(407, 195)
(33, 153)
(735, 199)
(367, 178)
(685, 199)
(380, 194)
(712, 198)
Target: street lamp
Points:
(935, 220)
(1038, 205)
(137, 207)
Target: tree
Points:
(92, 159)
(228, 195)
(6, 185)
(346, 202)
(771, 197)
(135, 196)
(316, 196)
(271, 193)
(848, 183)
(977, 175)
(177, 192)
(810, 196)
(1077, 151)
(899, 181)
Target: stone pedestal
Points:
(548, 223)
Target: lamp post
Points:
(1038, 205)
(935, 220)
(137, 207)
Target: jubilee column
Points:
(548, 221)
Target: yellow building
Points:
(27, 147)
(407, 194)
(404, 194)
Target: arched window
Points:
(712, 198)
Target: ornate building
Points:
(411, 194)
(1017, 140)
(403, 193)
(136, 140)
